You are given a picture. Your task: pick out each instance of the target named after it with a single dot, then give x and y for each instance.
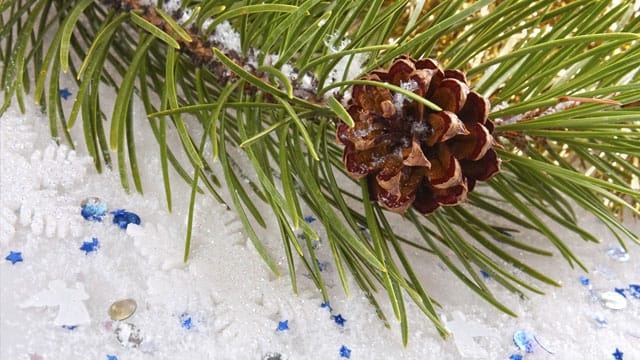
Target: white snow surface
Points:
(235, 303)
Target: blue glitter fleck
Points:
(322, 266)
(634, 290)
(123, 218)
(88, 247)
(93, 209)
(283, 325)
(602, 322)
(14, 257)
(345, 352)
(523, 340)
(515, 357)
(618, 354)
(339, 319)
(620, 291)
(309, 219)
(584, 280)
(485, 274)
(112, 357)
(64, 93)
(327, 305)
(69, 327)
(185, 321)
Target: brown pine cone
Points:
(410, 154)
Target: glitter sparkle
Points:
(88, 247)
(14, 257)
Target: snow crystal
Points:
(227, 37)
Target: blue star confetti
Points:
(345, 352)
(634, 290)
(523, 340)
(485, 274)
(620, 291)
(584, 280)
(93, 209)
(618, 354)
(283, 325)
(309, 219)
(339, 319)
(70, 327)
(515, 357)
(64, 93)
(14, 257)
(112, 357)
(327, 305)
(123, 218)
(322, 266)
(600, 320)
(185, 321)
(92, 246)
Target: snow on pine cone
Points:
(410, 154)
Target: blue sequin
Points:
(634, 290)
(345, 352)
(112, 357)
(93, 209)
(309, 219)
(584, 280)
(523, 340)
(69, 327)
(123, 218)
(515, 357)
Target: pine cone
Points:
(410, 154)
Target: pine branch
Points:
(566, 90)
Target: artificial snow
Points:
(231, 303)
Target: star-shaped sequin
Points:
(327, 305)
(345, 352)
(14, 257)
(88, 247)
(283, 325)
(64, 93)
(618, 354)
(185, 321)
(339, 319)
